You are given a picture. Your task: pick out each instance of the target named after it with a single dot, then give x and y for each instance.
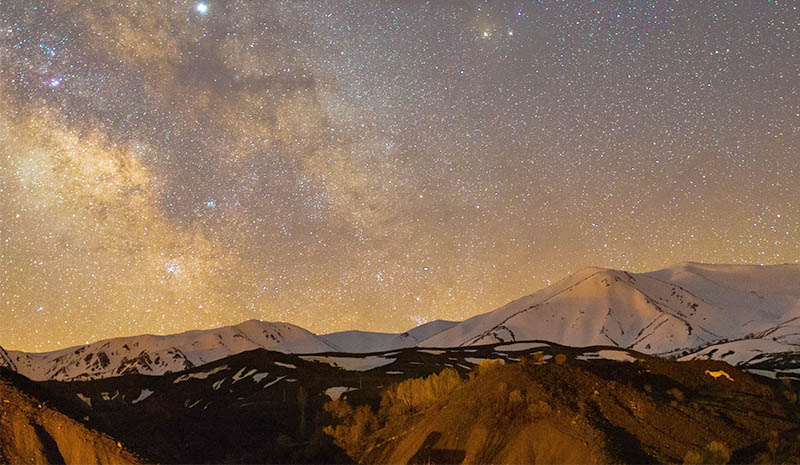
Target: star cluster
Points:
(170, 165)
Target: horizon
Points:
(213, 327)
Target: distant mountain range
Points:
(157, 355)
(743, 314)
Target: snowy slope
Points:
(677, 310)
(743, 351)
(156, 355)
(365, 342)
(737, 313)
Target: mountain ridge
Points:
(685, 310)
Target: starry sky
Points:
(170, 165)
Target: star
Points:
(155, 160)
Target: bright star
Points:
(55, 82)
(201, 7)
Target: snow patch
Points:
(86, 400)
(285, 365)
(201, 375)
(258, 377)
(431, 351)
(188, 405)
(218, 384)
(336, 392)
(764, 373)
(616, 355)
(144, 394)
(273, 381)
(477, 361)
(239, 376)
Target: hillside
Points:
(32, 431)
(574, 409)
(156, 355)
(264, 406)
(5, 360)
(365, 342)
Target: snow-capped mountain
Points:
(365, 342)
(742, 314)
(156, 355)
(678, 310)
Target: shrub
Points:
(418, 394)
(676, 394)
(488, 365)
(515, 398)
(715, 453)
(538, 410)
(560, 359)
(356, 425)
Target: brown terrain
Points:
(536, 403)
(574, 411)
(32, 432)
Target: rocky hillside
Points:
(577, 409)
(33, 432)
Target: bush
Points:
(418, 394)
(715, 453)
(356, 425)
(487, 366)
(539, 409)
(676, 394)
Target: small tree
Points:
(356, 425)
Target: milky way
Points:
(170, 165)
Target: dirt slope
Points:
(645, 411)
(31, 432)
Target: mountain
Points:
(262, 406)
(366, 342)
(675, 311)
(744, 314)
(156, 355)
(32, 431)
(579, 404)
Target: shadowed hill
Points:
(31, 431)
(566, 410)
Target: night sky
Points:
(171, 165)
